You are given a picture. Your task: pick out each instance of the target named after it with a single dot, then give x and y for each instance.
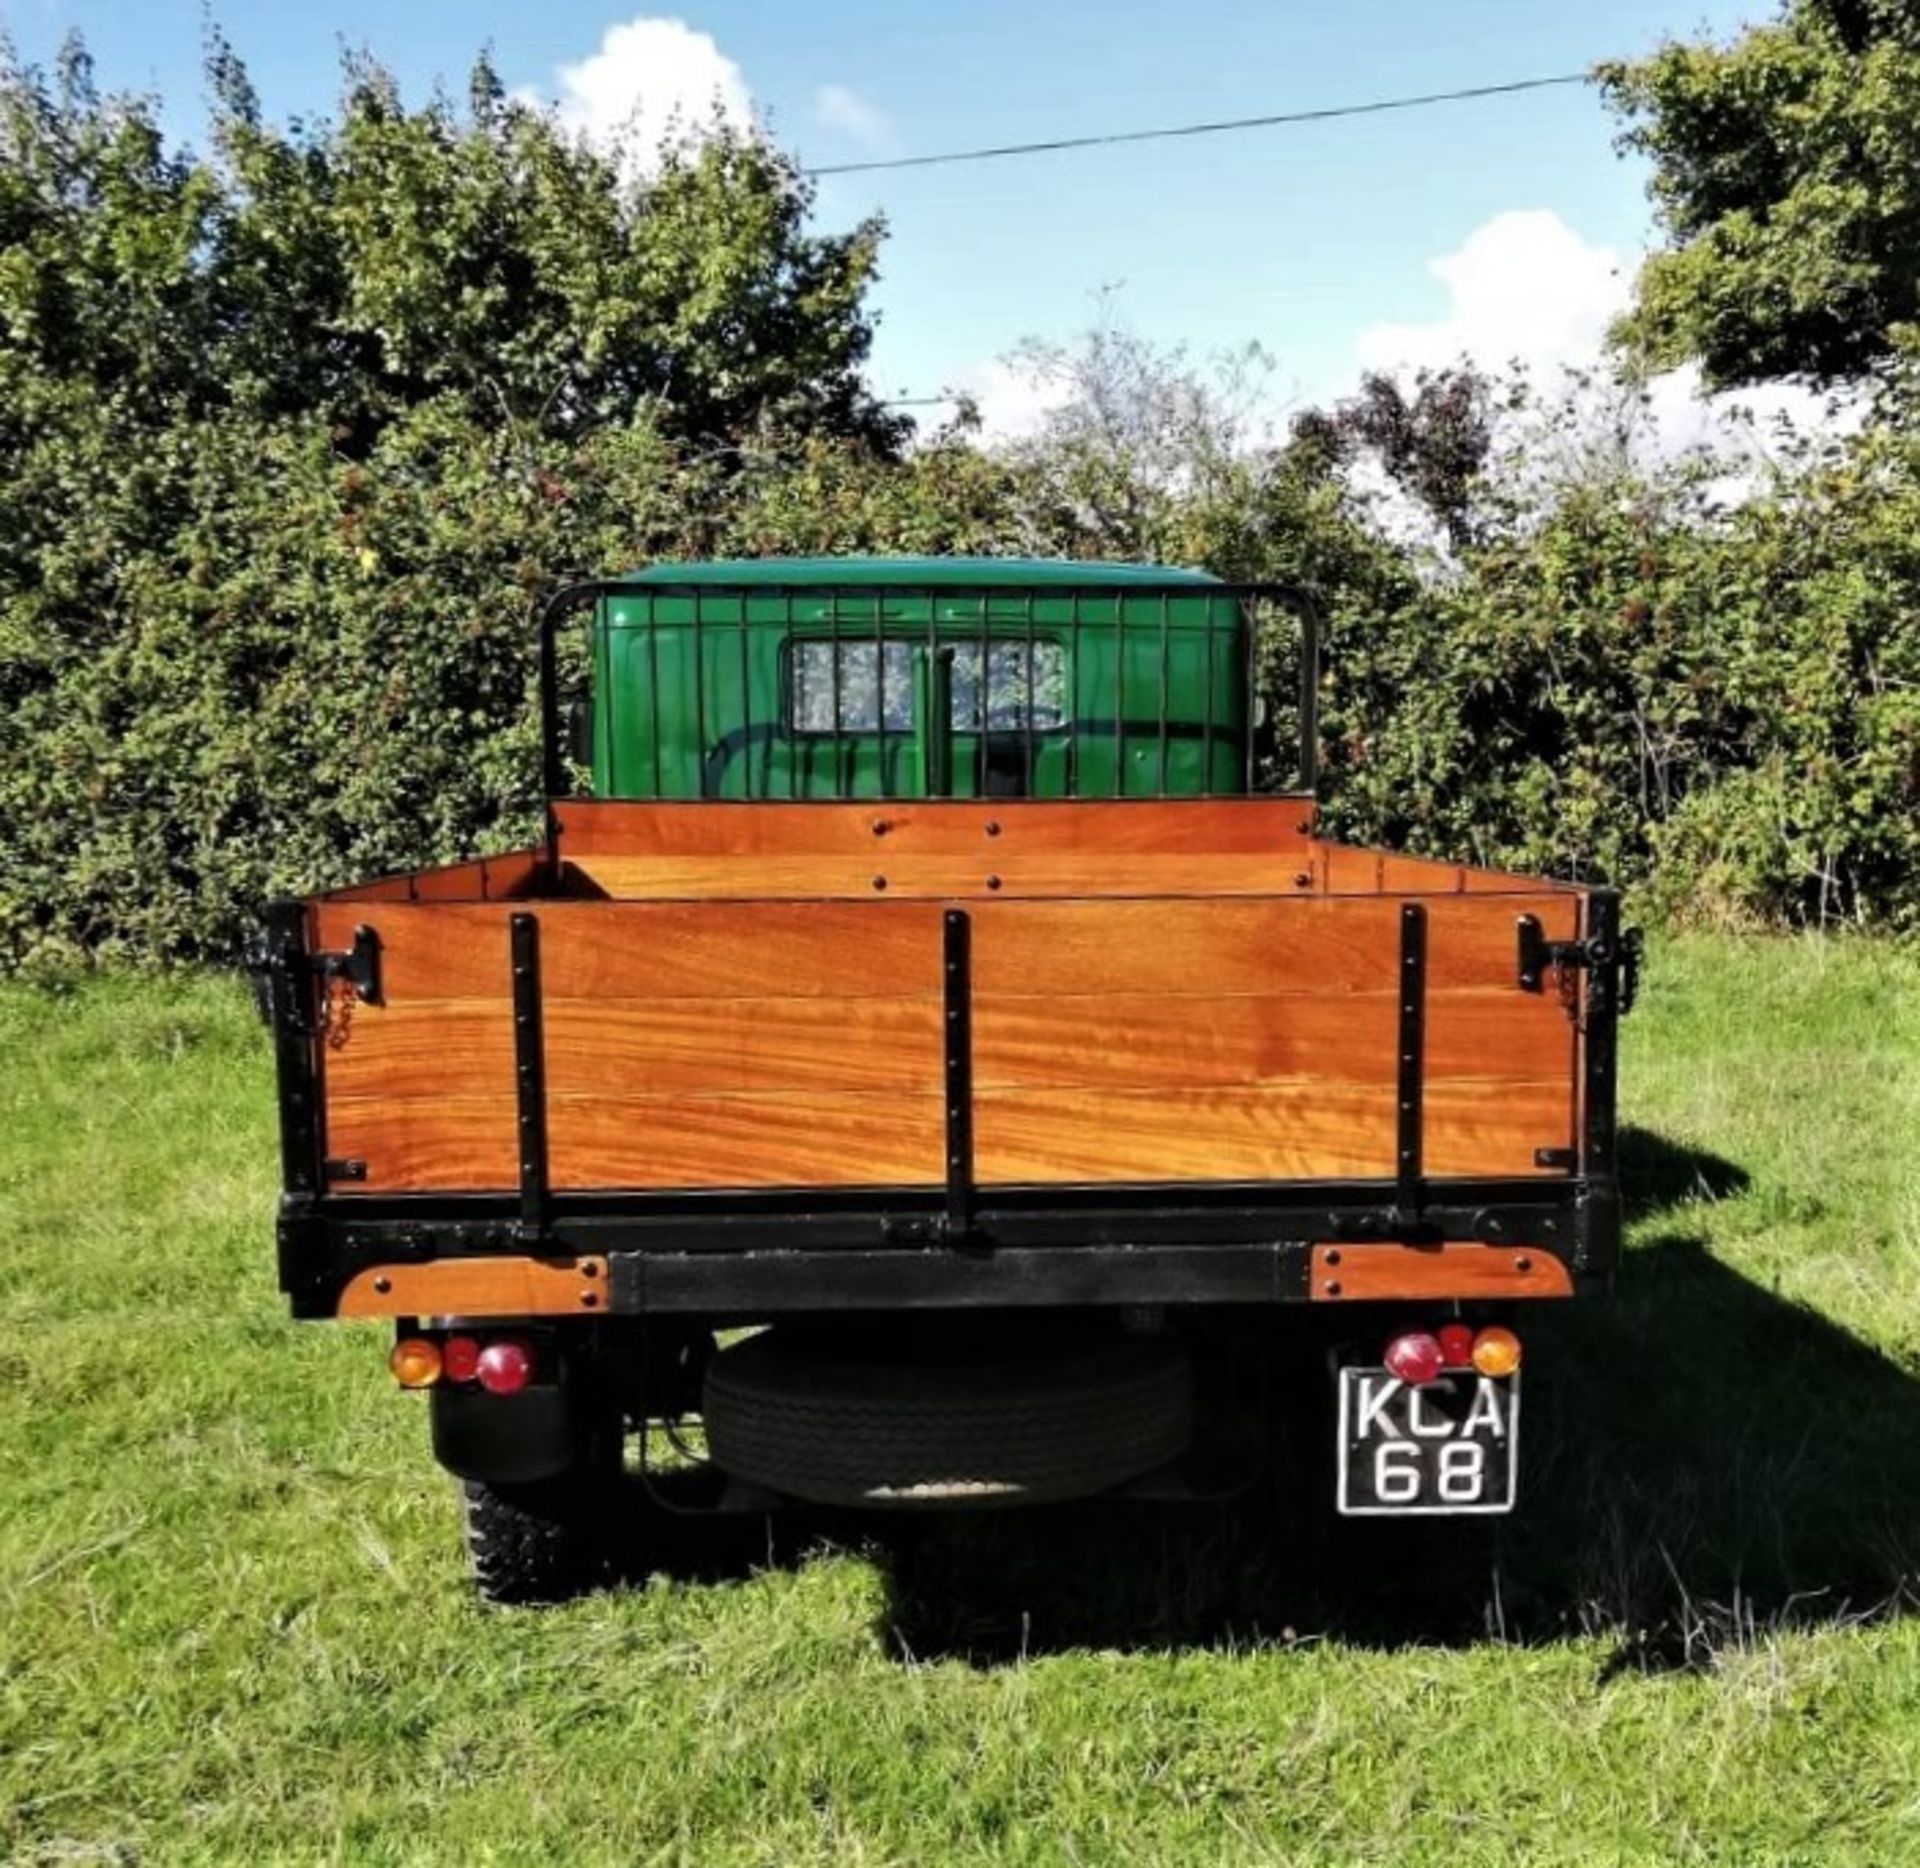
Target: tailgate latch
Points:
(358, 967)
(280, 970)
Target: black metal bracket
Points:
(359, 966)
(530, 1076)
(1411, 1054)
(283, 967)
(957, 981)
(1537, 956)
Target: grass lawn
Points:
(234, 1622)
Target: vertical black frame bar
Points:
(837, 675)
(1597, 1216)
(292, 994)
(529, 1074)
(700, 687)
(1070, 693)
(653, 692)
(1206, 718)
(1029, 701)
(746, 699)
(1411, 1055)
(982, 680)
(957, 996)
(1250, 697)
(1309, 701)
(786, 661)
(886, 750)
(1166, 678)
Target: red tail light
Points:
(504, 1368)
(460, 1358)
(1456, 1346)
(1416, 1358)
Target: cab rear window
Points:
(867, 687)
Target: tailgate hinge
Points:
(1537, 956)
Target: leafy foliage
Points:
(290, 437)
(293, 437)
(1784, 167)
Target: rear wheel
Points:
(537, 1543)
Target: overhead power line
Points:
(1372, 108)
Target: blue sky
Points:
(1503, 226)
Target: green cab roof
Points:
(971, 572)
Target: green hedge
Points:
(292, 440)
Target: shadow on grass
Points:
(1704, 1462)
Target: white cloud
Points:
(1525, 288)
(1522, 287)
(653, 82)
(1015, 395)
(845, 111)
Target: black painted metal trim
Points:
(325, 1242)
(1410, 1073)
(530, 1074)
(292, 1000)
(1597, 1233)
(957, 981)
(772, 1283)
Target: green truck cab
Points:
(825, 677)
(931, 1058)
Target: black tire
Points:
(536, 1543)
(817, 1423)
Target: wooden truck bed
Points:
(679, 1038)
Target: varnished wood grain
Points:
(479, 1287)
(739, 1044)
(771, 1140)
(1011, 873)
(488, 879)
(949, 827)
(1370, 1272)
(1137, 1040)
(696, 950)
(645, 1047)
(1346, 869)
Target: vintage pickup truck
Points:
(936, 1043)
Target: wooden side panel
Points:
(938, 827)
(488, 879)
(1344, 869)
(1257, 1041)
(976, 875)
(685, 1046)
(801, 1043)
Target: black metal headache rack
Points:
(1113, 683)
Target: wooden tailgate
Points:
(781, 1043)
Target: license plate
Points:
(1449, 1447)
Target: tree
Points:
(293, 433)
(1784, 168)
(1433, 444)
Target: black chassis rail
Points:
(761, 1251)
(745, 1252)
